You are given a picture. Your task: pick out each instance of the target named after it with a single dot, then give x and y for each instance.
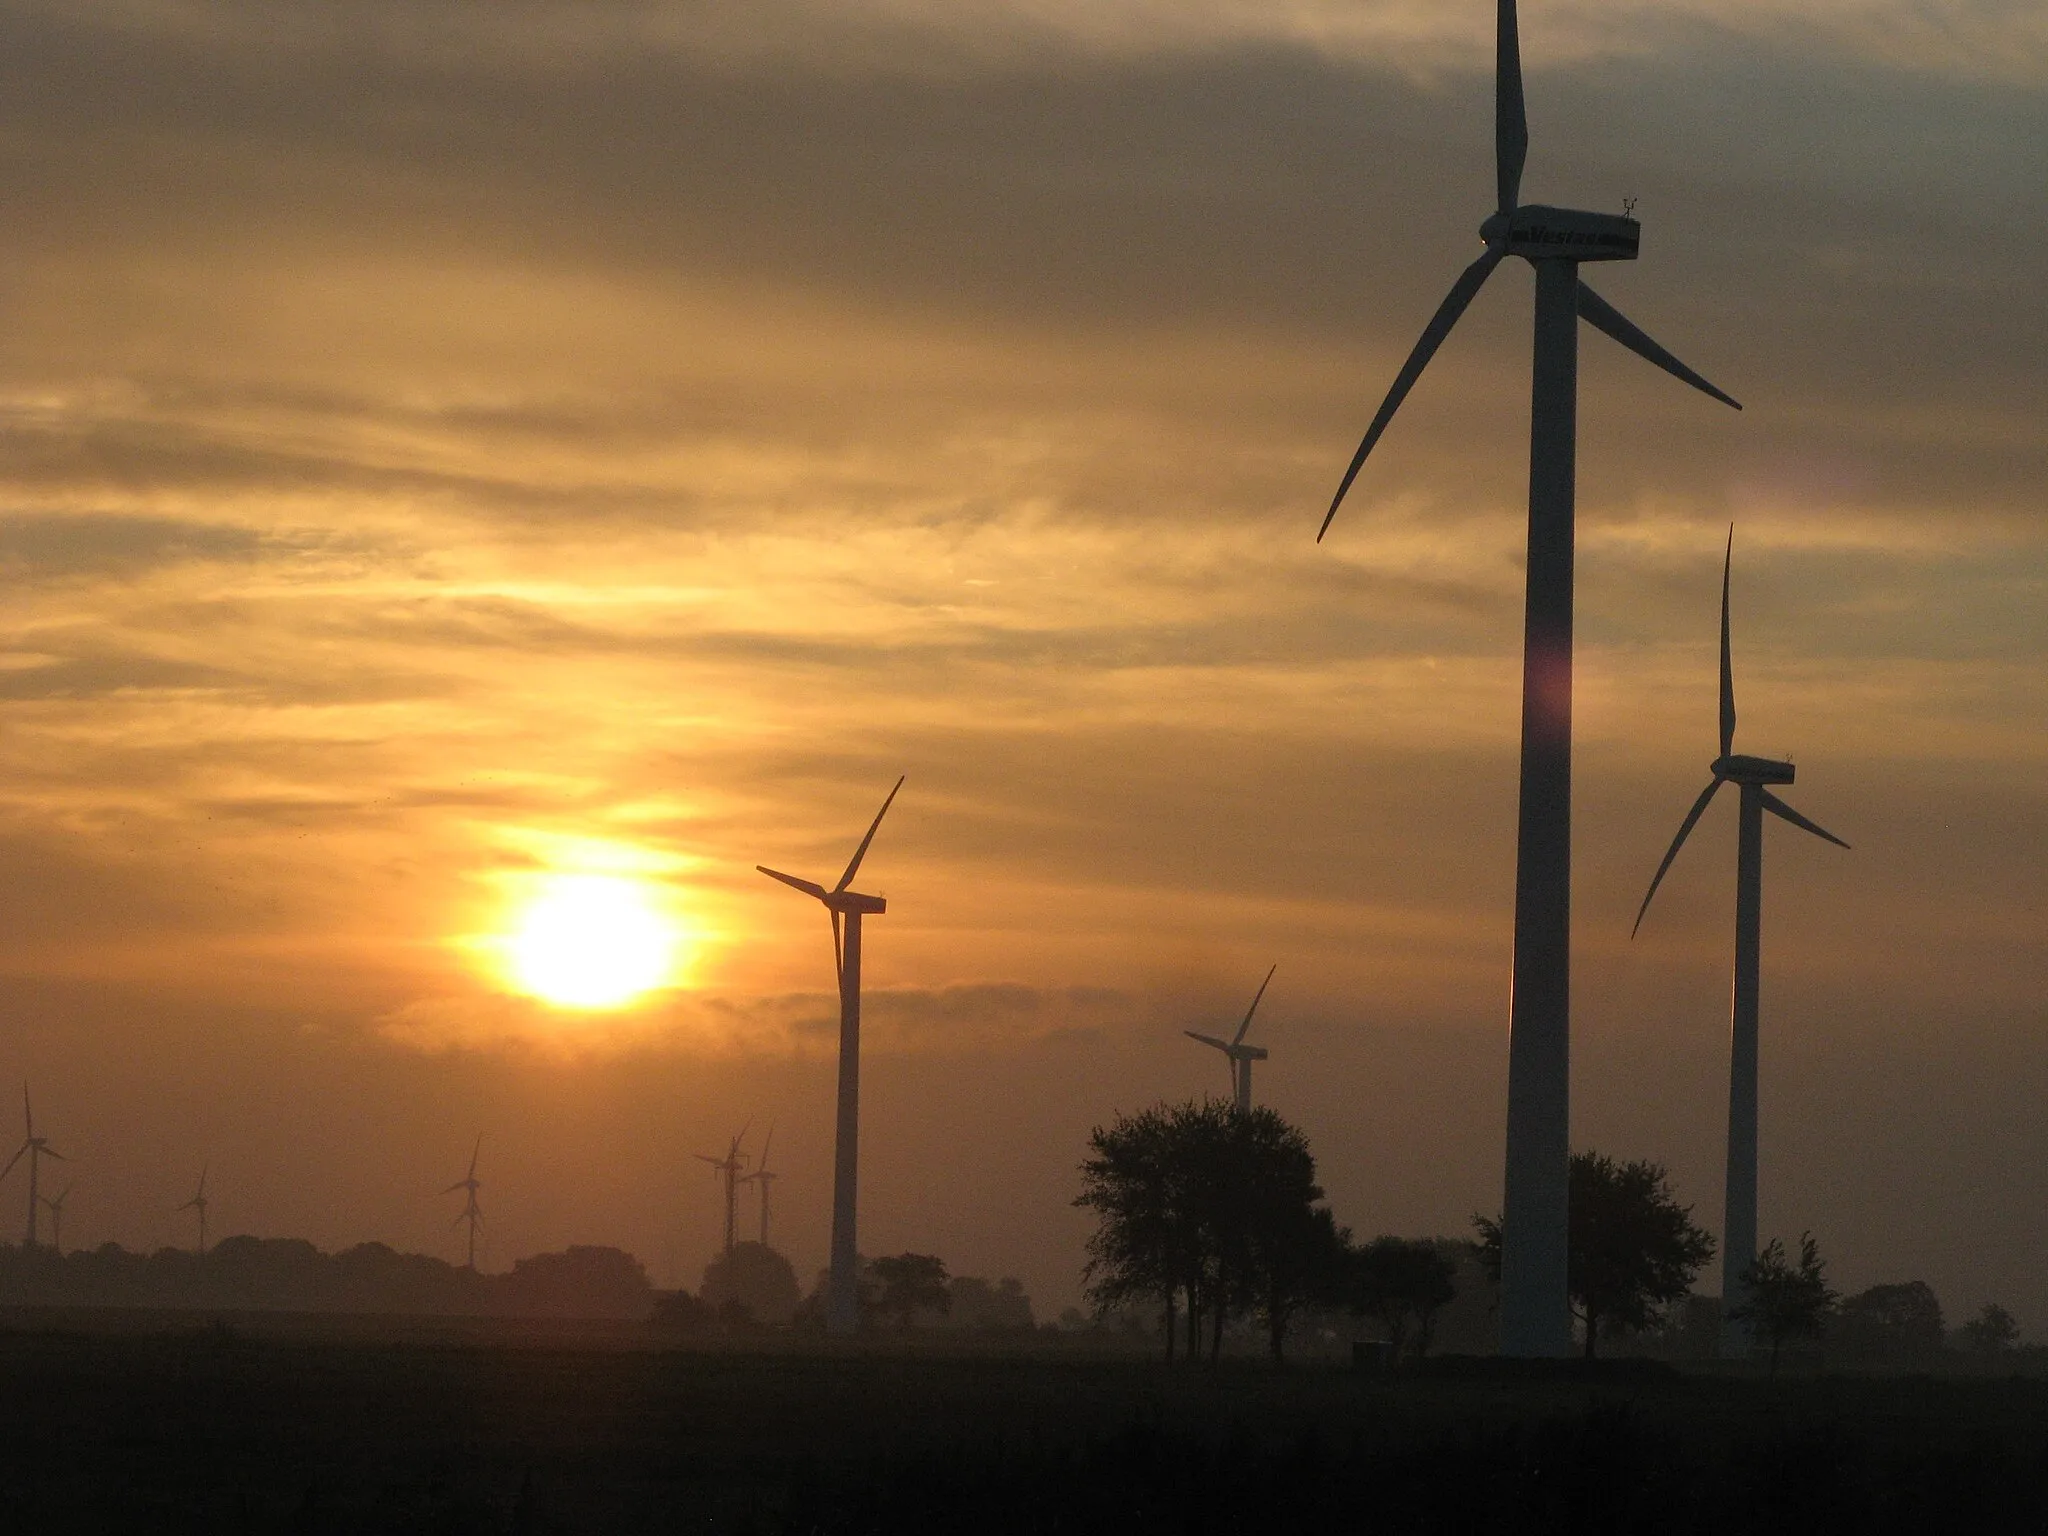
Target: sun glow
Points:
(592, 941)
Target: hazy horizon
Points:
(445, 452)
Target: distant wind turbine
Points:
(1535, 1310)
(198, 1203)
(763, 1177)
(56, 1208)
(471, 1211)
(848, 906)
(1753, 774)
(35, 1148)
(729, 1167)
(1236, 1053)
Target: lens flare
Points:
(593, 942)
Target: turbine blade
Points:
(474, 1152)
(27, 1113)
(808, 887)
(1604, 316)
(1447, 313)
(13, 1160)
(853, 864)
(1238, 1038)
(458, 1184)
(838, 951)
(1779, 808)
(49, 1151)
(765, 1145)
(1699, 809)
(1221, 1045)
(1727, 663)
(1510, 118)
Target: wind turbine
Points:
(35, 1148)
(57, 1220)
(766, 1180)
(1535, 1314)
(729, 1166)
(848, 907)
(1239, 1055)
(198, 1203)
(1753, 775)
(471, 1211)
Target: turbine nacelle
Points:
(1738, 769)
(1542, 233)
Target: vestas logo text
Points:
(1542, 234)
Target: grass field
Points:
(155, 1424)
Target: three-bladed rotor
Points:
(32, 1146)
(841, 900)
(1234, 1050)
(1732, 767)
(1535, 232)
(472, 1212)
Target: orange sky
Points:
(443, 450)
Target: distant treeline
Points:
(288, 1274)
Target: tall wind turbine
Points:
(34, 1148)
(1535, 1314)
(57, 1220)
(198, 1203)
(847, 907)
(471, 1211)
(729, 1167)
(1239, 1055)
(765, 1179)
(1753, 774)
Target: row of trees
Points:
(1212, 1213)
(754, 1286)
(1887, 1325)
(291, 1275)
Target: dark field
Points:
(148, 1424)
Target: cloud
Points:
(973, 1018)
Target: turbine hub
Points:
(854, 901)
(1737, 769)
(1542, 233)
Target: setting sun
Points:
(592, 941)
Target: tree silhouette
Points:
(1992, 1331)
(908, 1284)
(1298, 1257)
(1898, 1324)
(1207, 1203)
(755, 1276)
(1785, 1300)
(1633, 1248)
(1143, 1246)
(1399, 1284)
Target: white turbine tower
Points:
(728, 1167)
(35, 1148)
(198, 1203)
(1535, 1312)
(847, 906)
(1753, 774)
(471, 1211)
(763, 1177)
(1236, 1053)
